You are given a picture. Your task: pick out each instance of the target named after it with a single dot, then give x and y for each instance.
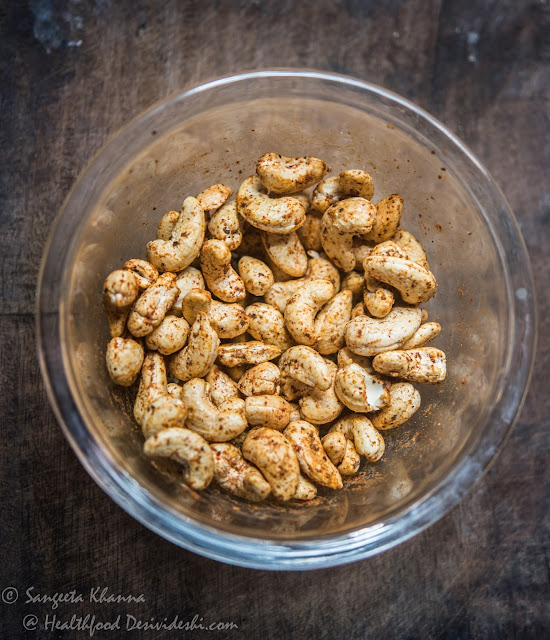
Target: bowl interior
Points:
(181, 151)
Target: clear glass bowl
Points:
(215, 133)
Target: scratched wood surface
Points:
(72, 73)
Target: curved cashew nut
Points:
(151, 386)
(351, 461)
(185, 240)
(261, 380)
(256, 275)
(302, 308)
(310, 232)
(369, 336)
(268, 325)
(167, 224)
(388, 217)
(312, 458)
(222, 387)
(326, 193)
(331, 322)
(334, 443)
(227, 225)
(163, 413)
(341, 221)
(153, 304)
(413, 249)
(169, 336)
(423, 335)
(221, 278)
(378, 302)
(124, 359)
(284, 175)
(273, 454)
(305, 489)
(187, 448)
(197, 358)
(366, 439)
(227, 320)
(189, 278)
(278, 215)
(173, 389)
(253, 352)
(120, 291)
(356, 183)
(359, 390)
(235, 475)
(143, 271)
(306, 366)
(353, 281)
(426, 365)
(346, 356)
(267, 411)
(278, 295)
(212, 198)
(415, 283)
(287, 252)
(212, 423)
(320, 407)
(403, 404)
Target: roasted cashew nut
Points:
(153, 304)
(169, 336)
(268, 325)
(351, 461)
(120, 291)
(287, 252)
(197, 358)
(415, 283)
(215, 424)
(163, 413)
(277, 215)
(310, 232)
(185, 240)
(222, 387)
(256, 275)
(334, 443)
(227, 225)
(189, 278)
(403, 404)
(341, 222)
(321, 407)
(356, 183)
(311, 455)
(426, 365)
(410, 245)
(305, 490)
(214, 197)
(173, 389)
(388, 217)
(378, 298)
(423, 335)
(267, 411)
(359, 390)
(283, 175)
(187, 448)
(326, 193)
(253, 352)
(261, 380)
(235, 475)
(346, 356)
(353, 281)
(124, 359)
(302, 308)
(143, 271)
(369, 336)
(222, 280)
(227, 320)
(331, 322)
(273, 454)
(167, 224)
(151, 386)
(366, 439)
(305, 366)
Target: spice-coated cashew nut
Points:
(359, 390)
(426, 365)
(302, 308)
(153, 304)
(284, 175)
(197, 358)
(222, 280)
(124, 359)
(235, 475)
(403, 403)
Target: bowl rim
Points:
(330, 550)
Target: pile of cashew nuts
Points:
(276, 334)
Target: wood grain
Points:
(72, 73)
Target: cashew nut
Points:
(212, 198)
(403, 404)
(341, 221)
(197, 358)
(302, 308)
(120, 290)
(263, 379)
(151, 307)
(278, 215)
(359, 390)
(369, 336)
(169, 336)
(283, 175)
(331, 322)
(278, 295)
(353, 281)
(378, 302)
(163, 413)
(227, 320)
(311, 455)
(256, 275)
(415, 283)
(189, 278)
(253, 352)
(351, 461)
(267, 411)
(235, 475)
(185, 240)
(356, 183)
(410, 245)
(222, 387)
(366, 439)
(305, 490)
(268, 325)
(305, 365)
(310, 232)
(326, 193)
(427, 365)
(151, 386)
(124, 359)
(273, 454)
(173, 389)
(346, 356)
(423, 335)
(320, 407)
(187, 448)
(222, 280)
(388, 216)
(334, 443)
(227, 225)
(143, 271)
(287, 252)
(215, 424)
(167, 224)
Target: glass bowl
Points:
(214, 133)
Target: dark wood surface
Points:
(72, 73)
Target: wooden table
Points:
(72, 74)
